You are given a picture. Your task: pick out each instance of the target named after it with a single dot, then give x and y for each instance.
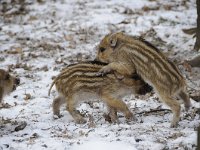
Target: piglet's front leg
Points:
(121, 68)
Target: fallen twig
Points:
(155, 110)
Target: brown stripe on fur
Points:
(164, 65)
(91, 66)
(144, 64)
(145, 71)
(87, 82)
(146, 46)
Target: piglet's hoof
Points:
(57, 116)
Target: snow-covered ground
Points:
(47, 36)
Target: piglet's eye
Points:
(102, 49)
(7, 77)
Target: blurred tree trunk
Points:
(197, 44)
(195, 31)
(198, 139)
(195, 62)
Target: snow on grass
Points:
(51, 35)
(99, 145)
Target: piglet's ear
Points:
(113, 42)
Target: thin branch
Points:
(155, 110)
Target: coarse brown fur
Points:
(8, 83)
(80, 82)
(128, 55)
